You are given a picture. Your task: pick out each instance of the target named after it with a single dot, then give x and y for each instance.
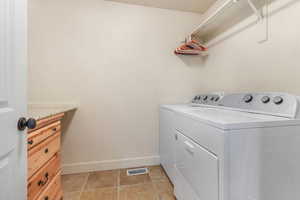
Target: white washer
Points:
(233, 147)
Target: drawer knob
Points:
(46, 198)
(46, 150)
(30, 142)
(54, 129)
(44, 182)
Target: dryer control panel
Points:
(271, 103)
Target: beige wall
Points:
(116, 61)
(91, 52)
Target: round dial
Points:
(278, 100)
(248, 98)
(265, 99)
(217, 98)
(205, 98)
(212, 98)
(195, 98)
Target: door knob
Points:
(23, 123)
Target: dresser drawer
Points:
(41, 153)
(53, 191)
(40, 181)
(36, 137)
(59, 195)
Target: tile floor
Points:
(116, 185)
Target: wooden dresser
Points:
(44, 164)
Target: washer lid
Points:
(231, 119)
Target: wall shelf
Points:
(223, 15)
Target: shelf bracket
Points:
(266, 19)
(255, 10)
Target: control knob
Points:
(248, 98)
(265, 99)
(278, 100)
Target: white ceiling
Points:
(199, 6)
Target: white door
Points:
(12, 99)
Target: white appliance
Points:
(233, 147)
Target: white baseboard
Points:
(109, 164)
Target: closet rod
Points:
(212, 15)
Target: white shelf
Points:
(212, 13)
(223, 15)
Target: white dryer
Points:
(233, 147)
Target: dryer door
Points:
(198, 167)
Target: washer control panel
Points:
(277, 104)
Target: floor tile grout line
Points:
(118, 184)
(155, 190)
(84, 184)
(136, 184)
(95, 189)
